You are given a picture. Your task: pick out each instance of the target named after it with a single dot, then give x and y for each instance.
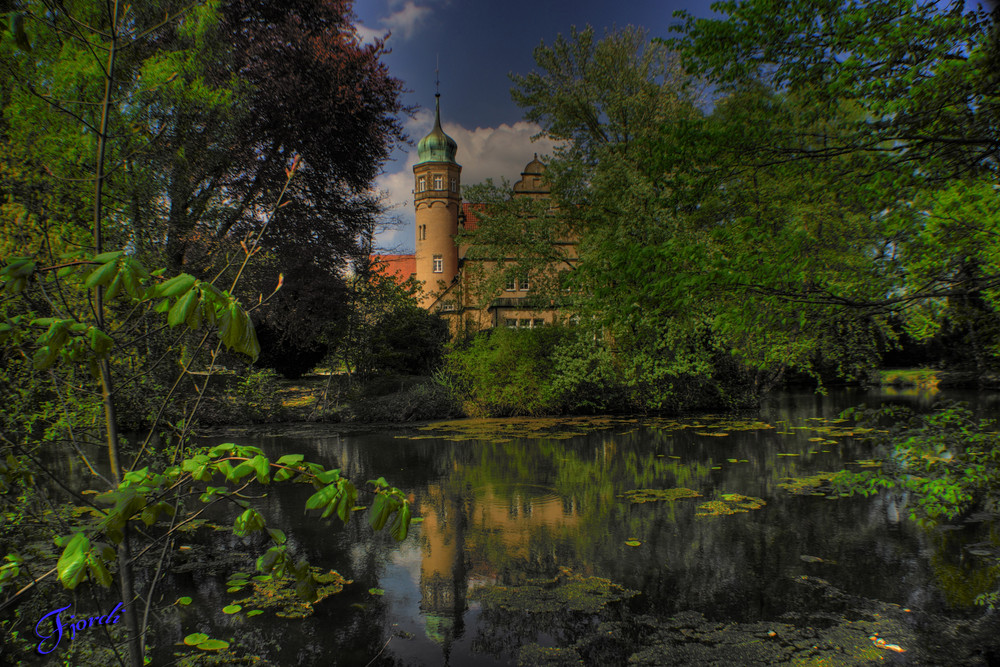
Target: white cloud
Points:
(405, 22)
(368, 34)
(485, 152)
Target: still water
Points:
(516, 502)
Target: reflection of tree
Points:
(504, 512)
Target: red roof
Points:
(400, 267)
(471, 219)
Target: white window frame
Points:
(438, 182)
(511, 285)
(422, 184)
(454, 185)
(438, 264)
(524, 284)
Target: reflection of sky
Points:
(501, 513)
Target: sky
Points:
(477, 44)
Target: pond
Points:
(529, 549)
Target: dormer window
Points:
(421, 184)
(439, 182)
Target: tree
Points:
(216, 103)
(688, 236)
(923, 80)
(74, 326)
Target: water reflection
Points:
(504, 512)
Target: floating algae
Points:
(651, 495)
(567, 592)
(730, 503)
(280, 595)
(818, 484)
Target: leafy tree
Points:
(216, 102)
(74, 326)
(691, 241)
(385, 331)
(920, 80)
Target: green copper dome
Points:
(437, 146)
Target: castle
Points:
(442, 265)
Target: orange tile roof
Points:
(400, 267)
(471, 219)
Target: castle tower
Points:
(437, 198)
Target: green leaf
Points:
(376, 591)
(213, 645)
(73, 561)
(102, 275)
(182, 309)
(290, 459)
(98, 570)
(249, 522)
(277, 535)
(105, 257)
(176, 286)
(195, 638)
(380, 511)
(254, 612)
(184, 601)
(323, 497)
(328, 476)
(262, 467)
(401, 524)
(231, 609)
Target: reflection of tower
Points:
(437, 199)
(443, 571)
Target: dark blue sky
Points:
(481, 41)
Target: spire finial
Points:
(437, 77)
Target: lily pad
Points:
(231, 609)
(377, 591)
(633, 543)
(213, 645)
(195, 638)
(254, 612)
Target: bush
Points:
(506, 372)
(553, 370)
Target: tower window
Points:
(439, 182)
(422, 233)
(454, 185)
(438, 264)
(421, 184)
